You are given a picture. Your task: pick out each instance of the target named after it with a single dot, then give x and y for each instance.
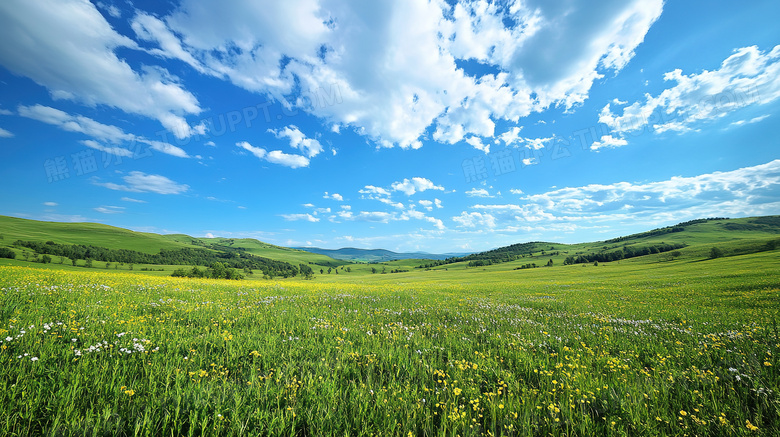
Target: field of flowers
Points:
(120, 354)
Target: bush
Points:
(7, 253)
(716, 253)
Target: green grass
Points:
(683, 347)
(12, 229)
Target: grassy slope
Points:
(95, 234)
(12, 229)
(729, 235)
(292, 256)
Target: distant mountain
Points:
(376, 255)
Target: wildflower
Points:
(750, 426)
(683, 413)
(130, 392)
(457, 391)
(34, 359)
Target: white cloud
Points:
(370, 189)
(388, 201)
(130, 199)
(415, 185)
(478, 192)
(5, 134)
(390, 71)
(476, 142)
(753, 120)
(287, 160)
(475, 219)
(741, 192)
(297, 217)
(50, 203)
(298, 140)
(438, 203)
(257, 151)
(69, 48)
(110, 209)
(748, 77)
(418, 215)
(427, 204)
(275, 156)
(335, 196)
(118, 151)
(608, 141)
(139, 182)
(74, 123)
(97, 130)
(210, 144)
(516, 191)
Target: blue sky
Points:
(405, 125)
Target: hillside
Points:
(694, 238)
(376, 255)
(95, 234)
(689, 241)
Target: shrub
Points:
(7, 253)
(716, 253)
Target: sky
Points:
(408, 125)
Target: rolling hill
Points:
(95, 234)
(376, 255)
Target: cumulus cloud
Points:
(139, 182)
(68, 47)
(370, 189)
(391, 72)
(747, 77)
(298, 140)
(335, 196)
(474, 220)
(478, 192)
(5, 134)
(275, 156)
(415, 185)
(286, 159)
(608, 141)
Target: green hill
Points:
(692, 239)
(95, 234)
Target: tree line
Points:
(617, 255)
(236, 259)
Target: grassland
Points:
(12, 229)
(687, 347)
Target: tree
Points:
(88, 263)
(108, 265)
(716, 252)
(550, 263)
(46, 259)
(373, 270)
(322, 272)
(73, 261)
(7, 253)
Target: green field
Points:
(652, 345)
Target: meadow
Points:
(676, 348)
